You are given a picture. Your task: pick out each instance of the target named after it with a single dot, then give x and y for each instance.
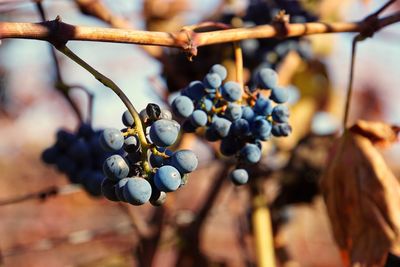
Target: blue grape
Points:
(66, 165)
(79, 150)
(166, 114)
(85, 130)
(220, 70)
(206, 104)
(108, 190)
(233, 111)
(279, 95)
(228, 146)
(247, 113)
(261, 129)
(64, 139)
(240, 127)
(250, 153)
(92, 184)
(158, 161)
(211, 135)
(281, 129)
(194, 91)
(184, 161)
(221, 126)
(157, 197)
(280, 114)
(111, 140)
(212, 81)
(231, 91)
(164, 132)
(119, 189)
(267, 78)
(137, 191)
(263, 106)
(188, 126)
(115, 168)
(131, 144)
(167, 178)
(198, 118)
(153, 111)
(182, 106)
(239, 176)
(127, 119)
(50, 155)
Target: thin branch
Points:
(350, 85)
(59, 33)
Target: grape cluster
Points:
(241, 119)
(147, 170)
(79, 156)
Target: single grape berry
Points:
(231, 91)
(184, 161)
(239, 176)
(182, 106)
(167, 178)
(221, 126)
(198, 118)
(280, 114)
(137, 191)
(111, 140)
(233, 112)
(153, 111)
(195, 90)
(131, 144)
(267, 78)
(279, 95)
(164, 132)
(119, 189)
(212, 81)
(115, 168)
(127, 119)
(108, 190)
(220, 70)
(250, 153)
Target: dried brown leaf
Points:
(379, 133)
(363, 196)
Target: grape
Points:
(188, 126)
(119, 189)
(221, 126)
(212, 81)
(206, 104)
(131, 144)
(85, 130)
(50, 155)
(247, 113)
(143, 116)
(279, 95)
(157, 197)
(111, 140)
(261, 128)
(137, 191)
(115, 168)
(220, 70)
(263, 106)
(182, 106)
(92, 184)
(228, 146)
(280, 113)
(167, 178)
(153, 111)
(194, 91)
(64, 139)
(166, 114)
(198, 118)
(250, 153)
(184, 161)
(233, 112)
(281, 129)
(211, 135)
(79, 150)
(157, 161)
(231, 91)
(240, 127)
(239, 176)
(164, 132)
(108, 190)
(66, 165)
(267, 78)
(127, 119)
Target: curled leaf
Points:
(362, 195)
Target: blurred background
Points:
(206, 223)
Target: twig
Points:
(239, 63)
(41, 195)
(60, 33)
(350, 85)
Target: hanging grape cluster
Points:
(146, 171)
(79, 156)
(241, 119)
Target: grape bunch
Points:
(241, 119)
(148, 169)
(79, 156)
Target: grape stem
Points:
(238, 64)
(110, 84)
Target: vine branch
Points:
(59, 33)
